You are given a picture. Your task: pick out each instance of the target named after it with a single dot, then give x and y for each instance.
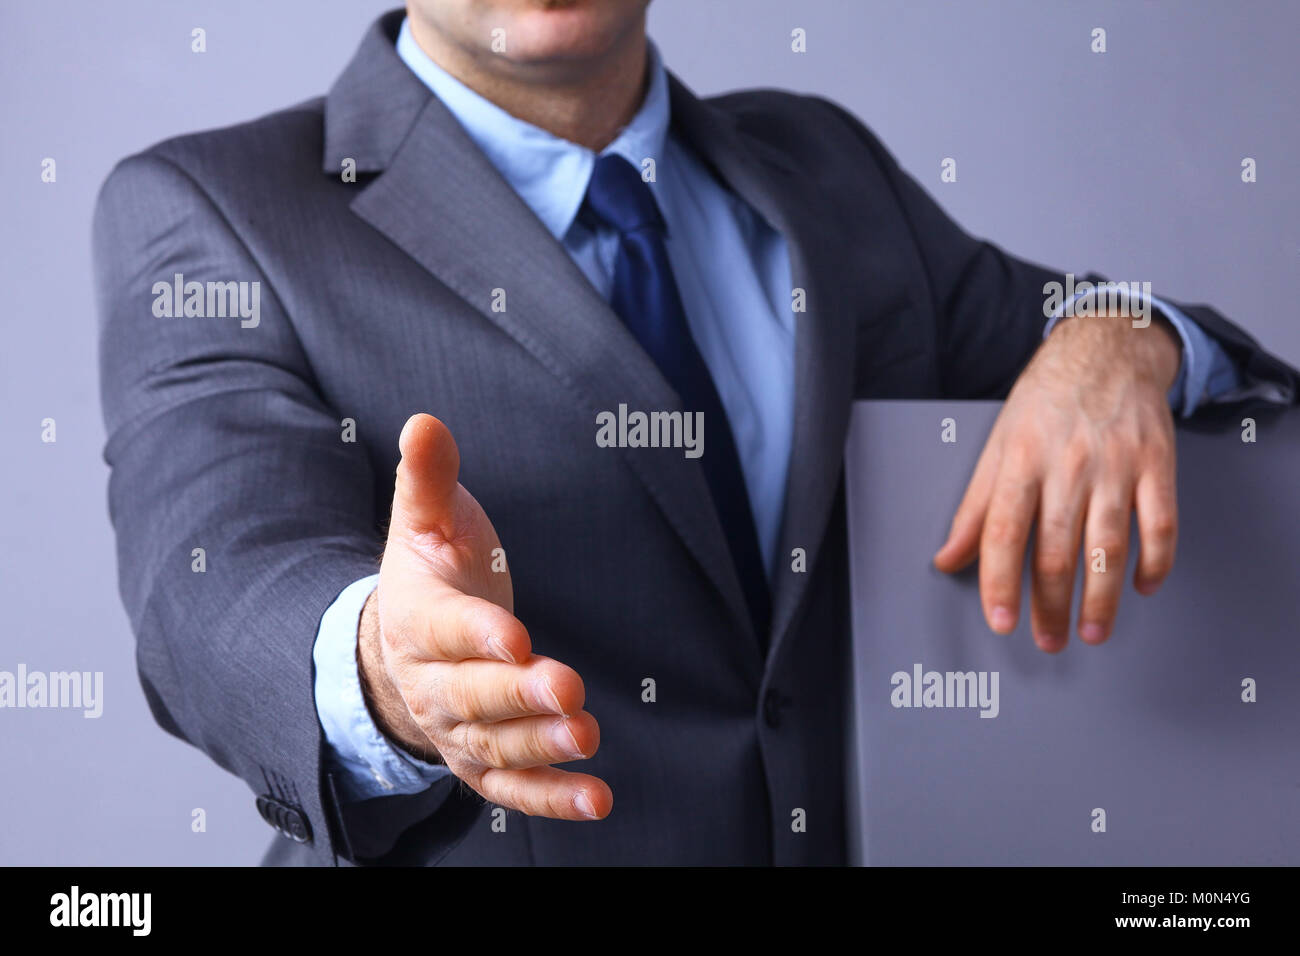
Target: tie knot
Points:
(620, 198)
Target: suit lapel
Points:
(440, 200)
(824, 335)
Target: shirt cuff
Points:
(1205, 372)
(366, 764)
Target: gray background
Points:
(1127, 163)
(1150, 726)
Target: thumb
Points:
(963, 544)
(425, 495)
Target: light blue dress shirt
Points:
(733, 272)
(1205, 373)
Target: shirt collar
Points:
(550, 174)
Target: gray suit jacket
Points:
(376, 302)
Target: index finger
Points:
(963, 544)
(449, 625)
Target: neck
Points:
(584, 102)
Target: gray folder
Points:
(1150, 728)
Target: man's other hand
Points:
(448, 670)
(1085, 438)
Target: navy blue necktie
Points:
(646, 298)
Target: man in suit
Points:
(643, 317)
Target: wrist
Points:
(1165, 352)
(382, 698)
(1153, 350)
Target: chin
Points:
(573, 30)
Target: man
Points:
(508, 214)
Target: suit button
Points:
(296, 827)
(773, 704)
(265, 811)
(288, 821)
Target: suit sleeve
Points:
(990, 307)
(240, 511)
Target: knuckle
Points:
(475, 701)
(498, 788)
(1110, 520)
(1156, 564)
(1159, 446)
(1125, 438)
(515, 795)
(1055, 526)
(1118, 460)
(1077, 459)
(1163, 527)
(1112, 549)
(419, 704)
(484, 746)
(1020, 455)
(459, 699)
(1002, 532)
(1056, 531)
(514, 696)
(557, 802)
(1161, 454)
(455, 745)
(472, 776)
(471, 625)
(527, 803)
(1111, 538)
(1053, 563)
(441, 630)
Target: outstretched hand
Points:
(449, 671)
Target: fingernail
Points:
(1048, 642)
(498, 648)
(1091, 632)
(1003, 618)
(582, 803)
(1146, 588)
(562, 734)
(546, 695)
